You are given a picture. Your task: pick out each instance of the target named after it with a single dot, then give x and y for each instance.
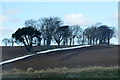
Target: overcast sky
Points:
(14, 14)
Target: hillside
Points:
(99, 55)
(9, 52)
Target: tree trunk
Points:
(88, 40)
(96, 40)
(44, 42)
(93, 40)
(48, 42)
(64, 42)
(70, 42)
(108, 40)
(29, 48)
(73, 41)
(39, 41)
(58, 44)
(83, 40)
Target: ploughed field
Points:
(99, 55)
(9, 52)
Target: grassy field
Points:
(88, 72)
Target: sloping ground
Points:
(10, 52)
(100, 55)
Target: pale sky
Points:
(13, 14)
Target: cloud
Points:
(77, 19)
(114, 17)
(5, 30)
(15, 20)
(3, 19)
(12, 11)
(1, 29)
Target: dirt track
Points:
(92, 56)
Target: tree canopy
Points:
(52, 29)
(26, 35)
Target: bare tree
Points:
(6, 41)
(19, 43)
(91, 33)
(58, 35)
(76, 33)
(66, 34)
(48, 27)
(105, 34)
(87, 34)
(79, 35)
(31, 22)
(11, 41)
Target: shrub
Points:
(30, 70)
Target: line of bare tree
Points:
(52, 30)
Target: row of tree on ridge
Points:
(52, 30)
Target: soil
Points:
(99, 55)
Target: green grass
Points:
(90, 72)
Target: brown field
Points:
(9, 52)
(99, 55)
